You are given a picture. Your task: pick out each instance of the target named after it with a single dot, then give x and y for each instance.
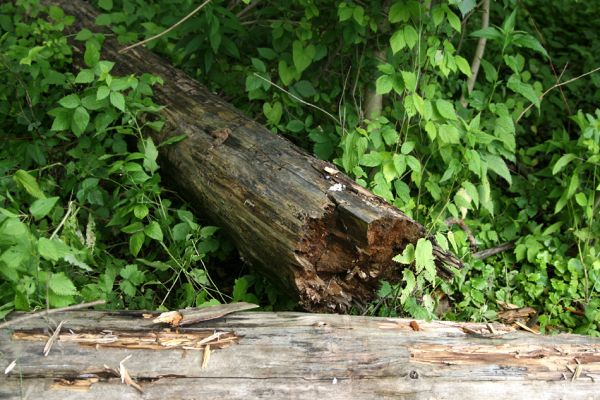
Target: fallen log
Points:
(297, 219)
(290, 355)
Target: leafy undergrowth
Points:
(377, 88)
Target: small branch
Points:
(247, 9)
(493, 251)
(181, 21)
(299, 99)
(52, 311)
(485, 22)
(456, 221)
(554, 87)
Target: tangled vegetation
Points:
(501, 152)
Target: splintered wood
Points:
(162, 340)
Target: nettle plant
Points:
(82, 211)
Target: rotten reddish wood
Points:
(296, 219)
(292, 355)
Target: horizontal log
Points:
(297, 219)
(292, 355)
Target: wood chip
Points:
(577, 372)
(525, 327)
(125, 377)
(52, 339)
(206, 356)
(414, 326)
(10, 367)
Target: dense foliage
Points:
(379, 87)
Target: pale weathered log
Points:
(293, 355)
(297, 219)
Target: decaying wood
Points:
(297, 219)
(194, 315)
(293, 355)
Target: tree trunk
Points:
(295, 218)
(292, 355)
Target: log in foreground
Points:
(292, 355)
(297, 219)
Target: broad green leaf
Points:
(273, 112)
(562, 162)
(117, 100)
(305, 88)
(384, 84)
(463, 65)
(408, 255)
(135, 243)
(80, 121)
(372, 159)
(102, 92)
(258, 64)
(52, 249)
(153, 231)
(397, 41)
(411, 37)
(62, 120)
(446, 109)
(286, 73)
(410, 283)
(29, 183)
(150, 155)
(410, 80)
(465, 6)
(71, 101)
(524, 89)
(295, 126)
(453, 20)
(448, 134)
(530, 42)
(489, 33)
(92, 53)
(106, 5)
(302, 56)
(497, 164)
(41, 207)
(424, 259)
(399, 12)
(60, 284)
(140, 211)
(509, 23)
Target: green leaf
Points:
(397, 41)
(411, 37)
(446, 109)
(562, 162)
(106, 5)
(135, 243)
(408, 255)
(399, 12)
(60, 284)
(424, 259)
(305, 88)
(153, 231)
(463, 65)
(52, 249)
(80, 120)
(410, 80)
(286, 73)
(62, 119)
(465, 6)
(41, 207)
(384, 84)
(295, 126)
(71, 101)
(102, 92)
(497, 164)
(92, 53)
(117, 100)
(140, 211)
(302, 56)
(489, 33)
(273, 112)
(150, 155)
(453, 20)
(524, 89)
(372, 159)
(28, 183)
(530, 42)
(410, 284)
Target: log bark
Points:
(292, 355)
(297, 219)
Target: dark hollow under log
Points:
(291, 356)
(312, 229)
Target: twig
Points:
(485, 22)
(181, 21)
(299, 99)
(63, 220)
(456, 221)
(493, 251)
(249, 7)
(52, 311)
(52, 339)
(554, 87)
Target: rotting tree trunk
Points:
(277, 202)
(292, 355)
